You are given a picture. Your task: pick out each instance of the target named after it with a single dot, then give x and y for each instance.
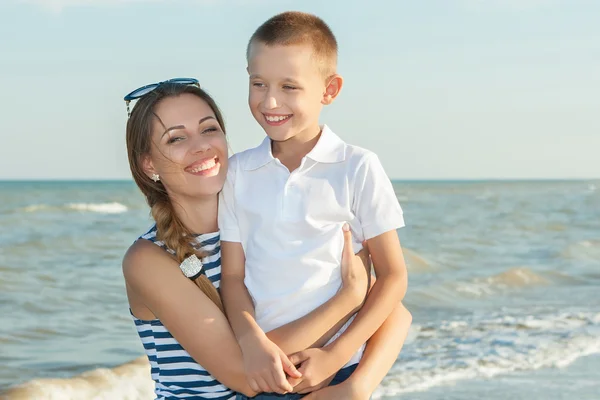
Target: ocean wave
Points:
(130, 381)
(415, 262)
(585, 250)
(468, 349)
(102, 208)
(517, 277)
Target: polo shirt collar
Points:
(261, 156)
(329, 149)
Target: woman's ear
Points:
(148, 166)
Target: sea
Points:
(504, 289)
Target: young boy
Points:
(283, 206)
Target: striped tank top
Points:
(175, 373)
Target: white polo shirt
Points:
(290, 224)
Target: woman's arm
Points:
(380, 354)
(153, 278)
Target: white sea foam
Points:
(102, 208)
(459, 350)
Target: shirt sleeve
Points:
(375, 202)
(228, 223)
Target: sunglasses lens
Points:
(184, 81)
(142, 91)
(136, 94)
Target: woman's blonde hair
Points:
(169, 228)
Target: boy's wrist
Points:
(351, 298)
(251, 336)
(338, 353)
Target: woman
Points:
(178, 157)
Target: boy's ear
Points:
(333, 88)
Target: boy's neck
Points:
(291, 152)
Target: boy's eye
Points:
(288, 87)
(258, 84)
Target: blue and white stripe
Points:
(174, 371)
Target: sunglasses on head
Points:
(144, 90)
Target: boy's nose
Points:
(270, 102)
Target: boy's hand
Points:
(355, 269)
(318, 367)
(266, 365)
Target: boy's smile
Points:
(277, 120)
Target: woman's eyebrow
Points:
(183, 126)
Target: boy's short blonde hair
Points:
(298, 28)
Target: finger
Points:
(271, 382)
(283, 385)
(289, 367)
(348, 250)
(365, 245)
(253, 385)
(294, 382)
(298, 358)
(262, 384)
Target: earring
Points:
(155, 177)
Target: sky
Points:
(439, 89)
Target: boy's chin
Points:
(278, 134)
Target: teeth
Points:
(276, 118)
(204, 166)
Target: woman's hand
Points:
(266, 365)
(356, 269)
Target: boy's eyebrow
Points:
(183, 126)
(292, 80)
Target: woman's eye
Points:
(210, 130)
(174, 139)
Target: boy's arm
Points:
(264, 362)
(236, 299)
(381, 352)
(377, 209)
(379, 214)
(387, 292)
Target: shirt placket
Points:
(291, 195)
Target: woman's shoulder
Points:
(142, 255)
